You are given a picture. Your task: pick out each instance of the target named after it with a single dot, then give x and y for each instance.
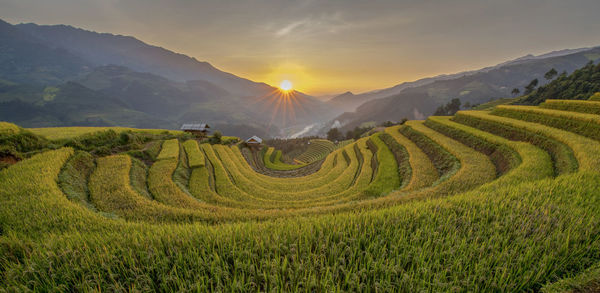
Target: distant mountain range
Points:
(419, 99)
(60, 76)
(349, 101)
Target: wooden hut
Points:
(200, 129)
(254, 141)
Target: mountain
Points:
(146, 92)
(118, 96)
(25, 59)
(186, 101)
(348, 102)
(418, 102)
(106, 49)
(154, 85)
(70, 104)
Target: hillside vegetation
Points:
(501, 200)
(580, 85)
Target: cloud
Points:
(290, 27)
(324, 23)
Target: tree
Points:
(515, 92)
(531, 86)
(216, 138)
(449, 109)
(467, 105)
(580, 84)
(357, 132)
(334, 134)
(388, 124)
(454, 106)
(550, 74)
(440, 111)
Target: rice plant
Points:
(507, 200)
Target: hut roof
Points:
(200, 126)
(254, 139)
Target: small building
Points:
(200, 129)
(254, 141)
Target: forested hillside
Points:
(580, 85)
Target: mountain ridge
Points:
(173, 65)
(350, 103)
(487, 84)
(131, 71)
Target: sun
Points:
(285, 85)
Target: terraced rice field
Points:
(317, 150)
(501, 200)
(70, 132)
(272, 160)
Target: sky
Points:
(330, 47)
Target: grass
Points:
(317, 150)
(233, 184)
(474, 202)
(74, 176)
(223, 184)
(153, 149)
(30, 190)
(584, 124)
(523, 161)
(401, 155)
(194, 155)
(494, 103)
(422, 171)
(8, 128)
(163, 188)
(56, 133)
(301, 183)
(272, 160)
(199, 182)
(477, 246)
(474, 168)
(340, 186)
(387, 177)
(587, 281)
(138, 176)
(563, 159)
(227, 140)
(169, 150)
(445, 163)
(111, 192)
(181, 175)
(590, 107)
(497, 149)
(585, 150)
(335, 183)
